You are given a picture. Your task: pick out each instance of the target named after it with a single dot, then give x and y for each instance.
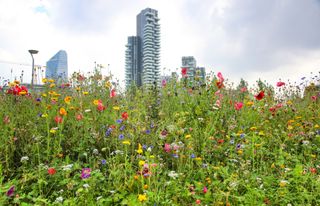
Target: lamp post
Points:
(31, 51)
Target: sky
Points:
(250, 39)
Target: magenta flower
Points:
(238, 105)
(85, 173)
(10, 191)
(280, 84)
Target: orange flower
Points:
(67, 99)
(62, 111)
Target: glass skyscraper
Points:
(147, 45)
(57, 66)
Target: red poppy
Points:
(313, 170)
(100, 107)
(58, 119)
(113, 93)
(259, 96)
(280, 84)
(124, 115)
(219, 84)
(184, 72)
(52, 171)
(220, 141)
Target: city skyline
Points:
(265, 39)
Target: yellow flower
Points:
(141, 162)
(261, 133)
(51, 80)
(96, 102)
(52, 85)
(108, 84)
(16, 82)
(188, 136)
(78, 88)
(126, 142)
(55, 99)
(53, 131)
(116, 108)
(290, 127)
(253, 128)
(291, 121)
(283, 183)
(273, 166)
(151, 156)
(145, 187)
(289, 102)
(62, 111)
(142, 198)
(44, 80)
(198, 158)
(44, 95)
(316, 126)
(45, 115)
(85, 93)
(22, 92)
(240, 152)
(12, 84)
(67, 99)
(249, 104)
(139, 151)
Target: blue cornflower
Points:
(38, 99)
(108, 132)
(175, 155)
(144, 147)
(192, 156)
(119, 121)
(103, 161)
(122, 128)
(121, 136)
(148, 131)
(242, 135)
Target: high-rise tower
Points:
(147, 42)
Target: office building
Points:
(57, 67)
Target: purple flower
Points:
(119, 121)
(108, 132)
(121, 136)
(242, 135)
(238, 146)
(148, 131)
(152, 125)
(122, 128)
(103, 161)
(192, 156)
(85, 173)
(10, 191)
(38, 99)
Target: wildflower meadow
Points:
(182, 142)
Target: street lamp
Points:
(31, 51)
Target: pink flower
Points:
(314, 98)
(205, 190)
(100, 107)
(243, 89)
(219, 75)
(238, 105)
(198, 202)
(280, 84)
(164, 83)
(167, 147)
(85, 173)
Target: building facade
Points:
(147, 62)
(57, 67)
(132, 70)
(193, 71)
